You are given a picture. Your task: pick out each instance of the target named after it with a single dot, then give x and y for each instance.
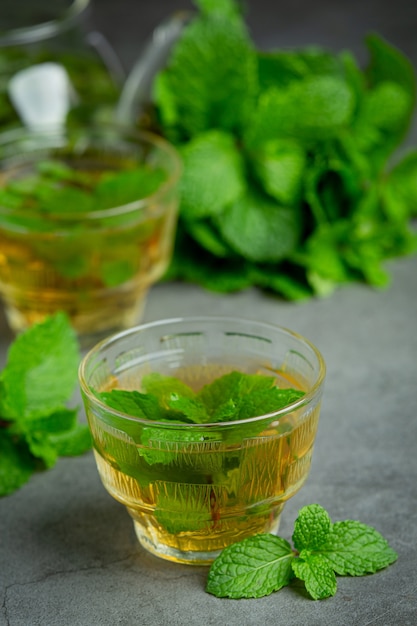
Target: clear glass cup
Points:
(194, 489)
(96, 265)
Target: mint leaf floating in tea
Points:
(36, 426)
(259, 565)
(134, 403)
(291, 180)
(233, 396)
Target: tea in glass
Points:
(203, 428)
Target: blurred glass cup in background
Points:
(87, 224)
(193, 489)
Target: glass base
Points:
(92, 322)
(150, 540)
(175, 555)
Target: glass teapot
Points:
(36, 32)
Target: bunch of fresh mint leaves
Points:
(291, 179)
(264, 563)
(36, 423)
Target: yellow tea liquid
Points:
(34, 286)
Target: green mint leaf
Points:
(207, 236)
(119, 188)
(54, 435)
(349, 249)
(180, 508)
(231, 387)
(133, 403)
(252, 568)
(283, 281)
(40, 448)
(51, 423)
(317, 574)
(279, 166)
(163, 387)
(266, 401)
(72, 442)
(311, 528)
(387, 63)
(67, 200)
(225, 412)
(57, 170)
(389, 67)
(16, 463)
(400, 189)
(313, 108)
(332, 188)
(355, 549)
(259, 229)
(112, 273)
(35, 426)
(212, 176)
(379, 125)
(280, 68)
(211, 77)
(41, 370)
(190, 409)
(185, 448)
(165, 398)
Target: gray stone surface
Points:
(68, 553)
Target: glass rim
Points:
(145, 136)
(45, 30)
(104, 343)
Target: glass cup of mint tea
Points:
(203, 427)
(87, 224)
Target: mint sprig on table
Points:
(36, 423)
(260, 565)
(291, 180)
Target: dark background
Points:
(337, 24)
